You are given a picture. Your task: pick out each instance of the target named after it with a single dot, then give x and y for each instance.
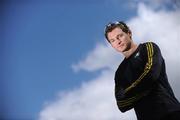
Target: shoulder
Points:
(121, 66)
(151, 45)
(152, 48)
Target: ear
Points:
(130, 33)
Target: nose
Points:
(118, 41)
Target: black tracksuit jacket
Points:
(141, 83)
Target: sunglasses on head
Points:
(111, 24)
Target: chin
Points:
(120, 50)
(123, 50)
(126, 49)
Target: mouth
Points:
(121, 45)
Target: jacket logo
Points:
(137, 54)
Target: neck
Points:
(131, 50)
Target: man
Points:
(140, 80)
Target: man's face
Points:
(119, 40)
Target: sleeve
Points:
(128, 97)
(126, 102)
(151, 71)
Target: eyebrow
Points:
(113, 39)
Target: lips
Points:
(121, 45)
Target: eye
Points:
(119, 36)
(111, 41)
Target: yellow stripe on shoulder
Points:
(149, 47)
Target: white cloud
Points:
(163, 28)
(156, 4)
(103, 56)
(94, 100)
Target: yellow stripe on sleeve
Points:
(129, 101)
(148, 66)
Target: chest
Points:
(130, 70)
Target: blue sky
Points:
(41, 41)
